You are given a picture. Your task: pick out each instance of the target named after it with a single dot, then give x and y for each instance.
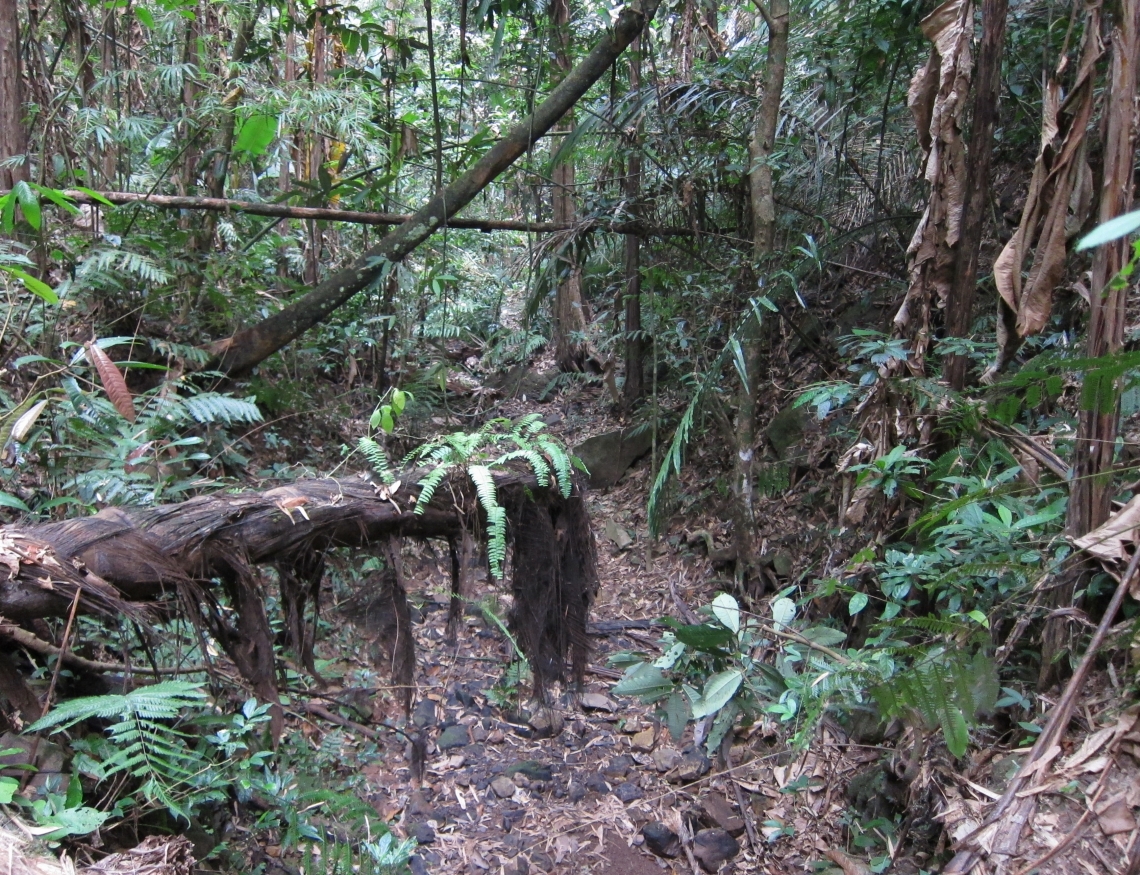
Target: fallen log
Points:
(181, 555)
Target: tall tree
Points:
(987, 90)
(571, 313)
(13, 133)
(634, 336)
(777, 16)
(1091, 496)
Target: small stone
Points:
(628, 792)
(496, 737)
(453, 736)
(693, 765)
(597, 702)
(666, 759)
(503, 786)
(661, 840)
(478, 733)
(597, 783)
(546, 723)
(417, 865)
(424, 834)
(644, 740)
(542, 860)
(418, 805)
(534, 770)
(618, 767)
(575, 792)
(721, 813)
(712, 847)
(424, 715)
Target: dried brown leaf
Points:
(113, 383)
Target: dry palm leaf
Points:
(113, 382)
(1059, 191)
(937, 99)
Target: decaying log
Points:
(183, 554)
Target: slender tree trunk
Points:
(987, 90)
(13, 134)
(777, 15)
(634, 339)
(571, 315)
(247, 348)
(1091, 495)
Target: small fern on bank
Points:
(145, 742)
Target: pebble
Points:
(712, 847)
(722, 814)
(503, 786)
(424, 834)
(575, 792)
(661, 840)
(597, 702)
(478, 733)
(424, 715)
(547, 723)
(666, 759)
(643, 740)
(693, 765)
(597, 783)
(453, 736)
(618, 767)
(628, 792)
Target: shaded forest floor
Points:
(574, 794)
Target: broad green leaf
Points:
(57, 197)
(8, 788)
(94, 195)
(37, 287)
(956, 732)
(9, 500)
(670, 657)
(858, 602)
(677, 714)
(144, 16)
(256, 133)
(783, 612)
(824, 635)
(1111, 230)
(727, 611)
(29, 203)
(719, 689)
(74, 822)
(644, 680)
(703, 637)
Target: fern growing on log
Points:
(480, 454)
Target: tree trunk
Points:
(13, 134)
(987, 90)
(571, 315)
(777, 16)
(1091, 495)
(634, 337)
(247, 348)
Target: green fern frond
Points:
(537, 463)
(560, 460)
(428, 487)
(376, 456)
(214, 407)
(162, 701)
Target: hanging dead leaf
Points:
(1113, 541)
(113, 383)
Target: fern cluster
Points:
(480, 454)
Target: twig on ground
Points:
(26, 639)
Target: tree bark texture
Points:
(119, 560)
(13, 134)
(634, 336)
(571, 314)
(239, 353)
(1091, 494)
(356, 217)
(777, 15)
(987, 91)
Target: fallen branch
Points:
(358, 217)
(37, 645)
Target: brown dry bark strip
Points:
(1059, 174)
(247, 348)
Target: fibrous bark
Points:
(119, 561)
(13, 134)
